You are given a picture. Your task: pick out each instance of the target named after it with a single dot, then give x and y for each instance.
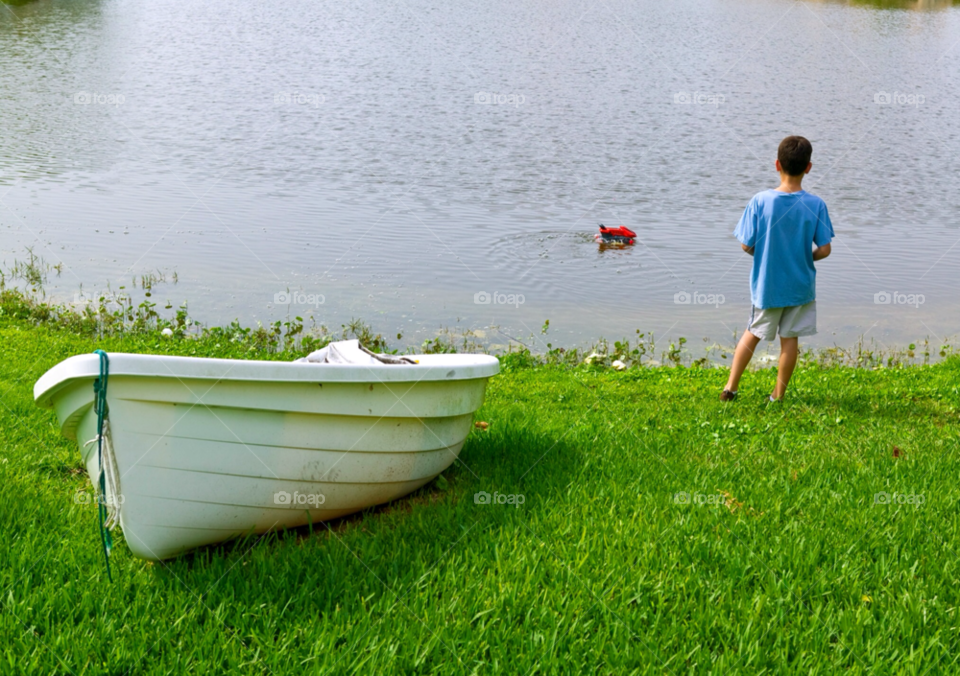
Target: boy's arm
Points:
(746, 230)
(823, 234)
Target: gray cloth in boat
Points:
(352, 352)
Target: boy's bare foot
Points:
(727, 395)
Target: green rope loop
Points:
(100, 406)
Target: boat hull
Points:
(203, 459)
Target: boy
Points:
(779, 228)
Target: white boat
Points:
(204, 450)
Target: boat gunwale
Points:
(433, 368)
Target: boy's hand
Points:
(749, 249)
(821, 252)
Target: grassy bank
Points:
(660, 532)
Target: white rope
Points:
(113, 499)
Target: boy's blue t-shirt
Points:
(783, 227)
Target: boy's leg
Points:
(789, 350)
(745, 348)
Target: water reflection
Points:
(613, 246)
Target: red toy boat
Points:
(618, 235)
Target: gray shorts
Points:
(789, 322)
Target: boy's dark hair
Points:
(794, 155)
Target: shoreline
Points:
(117, 316)
(439, 319)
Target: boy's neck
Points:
(790, 183)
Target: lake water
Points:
(395, 160)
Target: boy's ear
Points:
(777, 165)
(809, 167)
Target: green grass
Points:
(603, 569)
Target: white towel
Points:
(351, 352)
